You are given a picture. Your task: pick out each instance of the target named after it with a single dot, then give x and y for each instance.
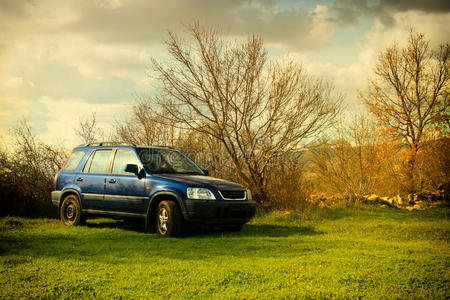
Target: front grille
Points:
(233, 195)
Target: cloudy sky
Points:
(62, 60)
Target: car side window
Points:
(122, 158)
(74, 160)
(98, 162)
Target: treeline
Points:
(271, 126)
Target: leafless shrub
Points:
(348, 164)
(27, 172)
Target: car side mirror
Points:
(206, 172)
(132, 168)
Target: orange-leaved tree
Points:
(409, 93)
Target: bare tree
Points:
(230, 91)
(88, 129)
(410, 92)
(208, 152)
(143, 127)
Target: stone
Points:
(373, 198)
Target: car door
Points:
(124, 191)
(93, 177)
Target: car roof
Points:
(108, 145)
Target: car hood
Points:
(202, 181)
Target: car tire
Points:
(70, 211)
(168, 219)
(232, 228)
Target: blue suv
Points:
(158, 184)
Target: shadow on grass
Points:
(124, 239)
(36, 210)
(136, 225)
(249, 230)
(199, 230)
(197, 243)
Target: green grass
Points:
(333, 253)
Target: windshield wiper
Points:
(190, 173)
(163, 172)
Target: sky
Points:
(61, 60)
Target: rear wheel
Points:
(70, 211)
(168, 219)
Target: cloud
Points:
(55, 119)
(354, 77)
(67, 114)
(429, 6)
(147, 22)
(350, 11)
(59, 80)
(381, 35)
(98, 51)
(60, 60)
(14, 82)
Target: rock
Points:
(435, 197)
(373, 198)
(386, 201)
(393, 201)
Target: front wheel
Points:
(70, 211)
(168, 219)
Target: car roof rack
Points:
(110, 144)
(161, 146)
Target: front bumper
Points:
(56, 197)
(219, 212)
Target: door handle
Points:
(80, 179)
(112, 181)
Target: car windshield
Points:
(158, 161)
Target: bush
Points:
(27, 173)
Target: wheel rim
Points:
(163, 220)
(70, 212)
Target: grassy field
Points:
(333, 253)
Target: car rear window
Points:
(74, 160)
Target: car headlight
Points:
(249, 195)
(200, 193)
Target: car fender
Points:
(71, 190)
(168, 193)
